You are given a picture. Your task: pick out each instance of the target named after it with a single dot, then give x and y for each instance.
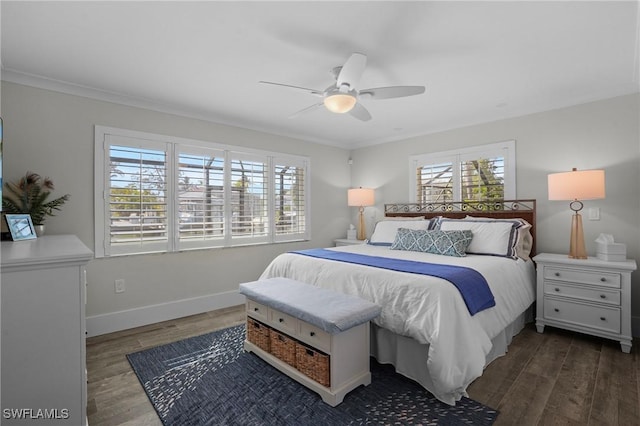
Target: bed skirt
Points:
(409, 356)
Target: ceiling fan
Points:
(343, 96)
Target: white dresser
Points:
(43, 331)
(591, 296)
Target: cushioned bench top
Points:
(331, 311)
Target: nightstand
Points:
(590, 296)
(345, 242)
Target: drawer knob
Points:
(603, 279)
(256, 309)
(556, 309)
(557, 274)
(603, 319)
(602, 296)
(281, 319)
(557, 289)
(312, 333)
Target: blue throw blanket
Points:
(472, 285)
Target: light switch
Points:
(594, 213)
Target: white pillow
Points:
(525, 239)
(495, 238)
(525, 243)
(385, 231)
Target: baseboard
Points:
(122, 320)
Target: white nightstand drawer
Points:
(283, 321)
(611, 297)
(603, 318)
(257, 310)
(315, 336)
(606, 279)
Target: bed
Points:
(426, 329)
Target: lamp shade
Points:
(360, 197)
(340, 102)
(576, 185)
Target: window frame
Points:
(506, 149)
(173, 148)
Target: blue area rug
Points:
(210, 380)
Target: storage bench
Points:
(316, 336)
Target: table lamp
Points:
(361, 197)
(576, 185)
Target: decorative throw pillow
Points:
(448, 243)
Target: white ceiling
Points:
(480, 61)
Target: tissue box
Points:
(351, 234)
(612, 252)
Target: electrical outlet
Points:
(119, 284)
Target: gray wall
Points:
(598, 135)
(53, 134)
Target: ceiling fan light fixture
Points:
(340, 102)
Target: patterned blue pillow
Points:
(448, 243)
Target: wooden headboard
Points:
(503, 209)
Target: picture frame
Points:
(20, 226)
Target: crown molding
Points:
(26, 79)
(33, 80)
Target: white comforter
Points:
(428, 309)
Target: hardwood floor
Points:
(562, 378)
(554, 378)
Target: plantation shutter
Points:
(137, 196)
(435, 182)
(157, 193)
(248, 198)
(200, 197)
(482, 179)
(479, 173)
(290, 199)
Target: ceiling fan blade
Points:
(360, 112)
(306, 110)
(312, 91)
(392, 92)
(352, 70)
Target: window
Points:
(155, 194)
(472, 174)
(137, 203)
(200, 197)
(290, 202)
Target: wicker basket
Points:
(313, 364)
(258, 334)
(283, 347)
